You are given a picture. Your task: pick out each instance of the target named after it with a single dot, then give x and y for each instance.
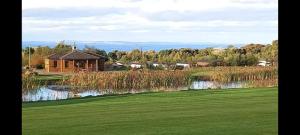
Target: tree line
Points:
(247, 55)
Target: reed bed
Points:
(31, 83)
(264, 83)
(229, 74)
(130, 80)
(145, 80)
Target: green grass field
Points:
(49, 77)
(250, 111)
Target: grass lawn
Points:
(50, 77)
(250, 111)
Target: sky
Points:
(217, 21)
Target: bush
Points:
(39, 66)
(30, 73)
(160, 67)
(120, 68)
(179, 68)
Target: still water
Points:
(53, 92)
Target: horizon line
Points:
(145, 41)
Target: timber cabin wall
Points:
(101, 65)
(70, 67)
(50, 67)
(92, 65)
(47, 65)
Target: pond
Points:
(216, 85)
(53, 92)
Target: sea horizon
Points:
(109, 46)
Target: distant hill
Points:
(127, 46)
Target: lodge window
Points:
(80, 64)
(66, 64)
(55, 63)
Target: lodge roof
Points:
(76, 55)
(55, 56)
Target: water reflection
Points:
(216, 85)
(45, 93)
(55, 92)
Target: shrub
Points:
(39, 66)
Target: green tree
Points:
(62, 48)
(251, 60)
(26, 50)
(100, 52)
(113, 55)
(135, 55)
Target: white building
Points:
(155, 64)
(183, 65)
(119, 64)
(263, 63)
(135, 65)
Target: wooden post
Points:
(29, 57)
(47, 64)
(61, 65)
(87, 65)
(73, 65)
(96, 65)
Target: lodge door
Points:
(80, 65)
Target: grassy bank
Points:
(230, 112)
(50, 77)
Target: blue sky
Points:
(219, 21)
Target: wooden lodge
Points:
(74, 61)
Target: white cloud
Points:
(131, 22)
(148, 16)
(152, 5)
(27, 4)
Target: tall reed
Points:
(228, 74)
(131, 79)
(30, 83)
(264, 83)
